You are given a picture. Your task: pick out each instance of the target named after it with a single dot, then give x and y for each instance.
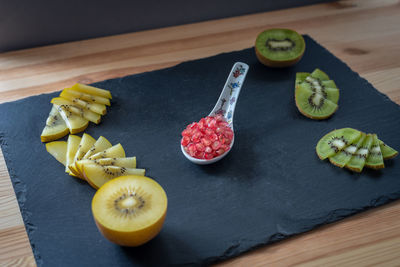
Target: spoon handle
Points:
(230, 93)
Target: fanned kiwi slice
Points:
(83, 112)
(97, 175)
(279, 47)
(313, 105)
(316, 96)
(58, 149)
(387, 151)
(101, 144)
(357, 161)
(335, 141)
(72, 147)
(86, 143)
(375, 159)
(87, 97)
(55, 126)
(116, 151)
(130, 210)
(341, 158)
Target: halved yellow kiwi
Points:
(130, 210)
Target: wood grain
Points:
(364, 34)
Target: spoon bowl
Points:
(225, 106)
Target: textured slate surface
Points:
(271, 185)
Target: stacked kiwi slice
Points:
(316, 95)
(73, 109)
(95, 161)
(354, 149)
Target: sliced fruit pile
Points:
(208, 138)
(73, 109)
(96, 161)
(353, 149)
(130, 210)
(316, 95)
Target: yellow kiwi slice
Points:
(75, 123)
(55, 126)
(97, 175)
(72, 147)
(87, 97)
(116, 151)
(86, 143)
(101, 144)
(129, 162)
(82, 112)
(94, 107)
(58, 149)
(130, 210)
(87, 89)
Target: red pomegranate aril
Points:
(208, 150)
(187, 132)
(225, 147)
(199, 155)
(208, 156)
(213, 137)
(185, 140)
(200, 147)
(220, 151)
(216, 145)
(206, 141)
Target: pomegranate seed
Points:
(200, 147)
(208, 156)
(185, 140)
(220, 151)
(225, 147)
(209, 131)
(208, 150)
(206, 141)
(213, 137)
(216, 145)
(219, 117)
(187, 132)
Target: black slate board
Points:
(271, 185)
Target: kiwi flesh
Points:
(94, 107)
(58, 149)
(279, 47)
(335, 141)
(97, 175)
(387, 151)
(87, 97)
(74, 122)
(72, 146)
(130, 210)
(357, 161)
(116, 151)
(129, 162)
(87, 89)
(83, 112)
(343, 157)
(101, 144)
(86, 142)
(316, 96)
(55, 126)
(375, 159)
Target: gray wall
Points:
(30, 23)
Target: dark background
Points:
(27, 23)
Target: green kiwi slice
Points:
(279, 47)
(387, 151)
(375, 159)
(343, 157)
(336, 141)
(312, 104)
(316, 96)
(358, 159)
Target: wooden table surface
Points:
(364, 34)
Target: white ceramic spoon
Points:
(226, 106)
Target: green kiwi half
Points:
(336, 141)
(279, 47)
(316, 96)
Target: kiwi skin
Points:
(281, 63)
